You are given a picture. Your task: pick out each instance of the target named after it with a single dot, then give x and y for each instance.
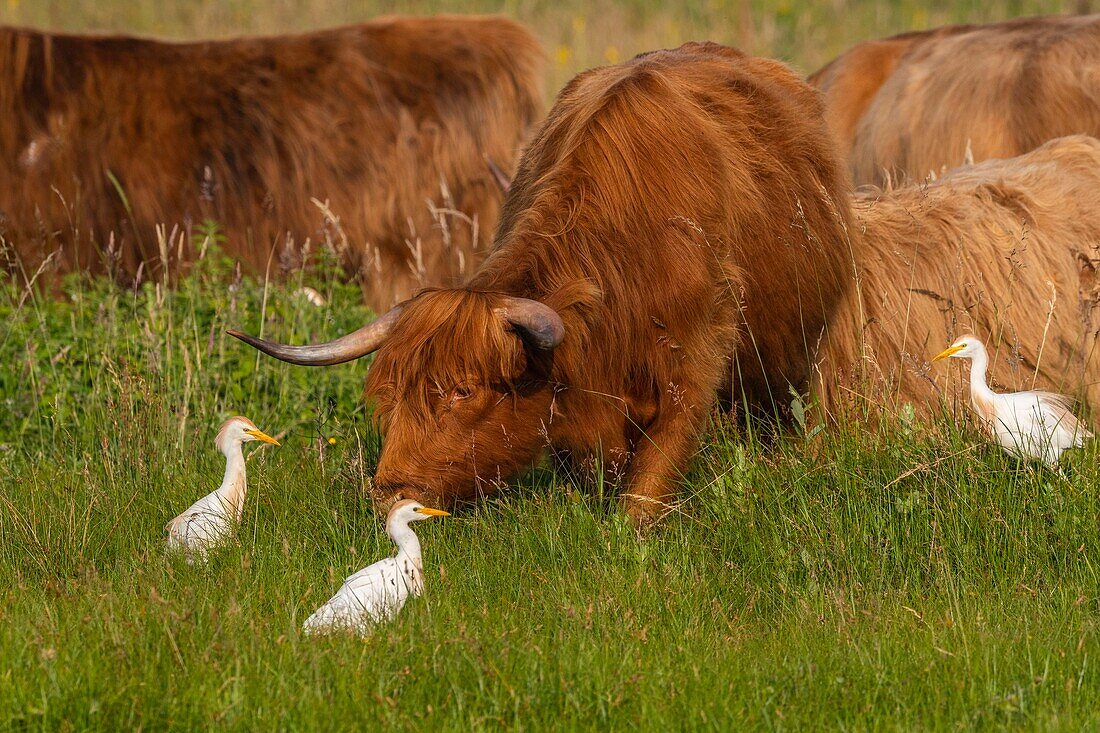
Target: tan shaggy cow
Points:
(676, 229)
(373, 137)
(910, 105)
(1005, 249)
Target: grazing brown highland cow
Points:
(1007, 250)
(376, 120)
(905, 106)
(677, 228)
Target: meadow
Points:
(900, 578)
(869, 576)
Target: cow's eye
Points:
(459, 393)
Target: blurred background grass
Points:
(577, 34)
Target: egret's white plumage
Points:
(1032, 424)
(213, 518)
(378, 592)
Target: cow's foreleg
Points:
(662, 454)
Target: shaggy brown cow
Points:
(678, 224)
(916, 103)
(377, 123)
(1006, 249)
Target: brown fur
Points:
(678, 211)
(1006, 249)
(906, 106)
(376, 119)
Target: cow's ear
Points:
(538, 323)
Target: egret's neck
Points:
(233, 486)
(978, 366)
(408, 544)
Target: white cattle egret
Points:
(1033, 424)
(212, 519)
(378, 592)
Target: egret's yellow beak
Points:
(261, 435)
(432, 512)
(948, 352)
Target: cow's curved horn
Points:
(352, 346)
(540, 322)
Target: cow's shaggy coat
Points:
(910, 105)
(1005, 249)
(352, 135)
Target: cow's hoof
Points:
(644, 512)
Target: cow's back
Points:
(342, 134)
(1006, 249)
(699, 190)
(937, 98)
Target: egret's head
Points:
(966, 347)
(407, 510)
(237, 430)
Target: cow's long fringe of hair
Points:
(456, 332)
(457, 337)
(1007, 250)
(381, 128)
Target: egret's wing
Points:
(1012, 421)
(383, 590)
(1060, 402)
(1053, 413)
(1022, 413)
(375, 593)
(200, 526)
(1059, 409)
(1042, 424)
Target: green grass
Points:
(896, 580)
